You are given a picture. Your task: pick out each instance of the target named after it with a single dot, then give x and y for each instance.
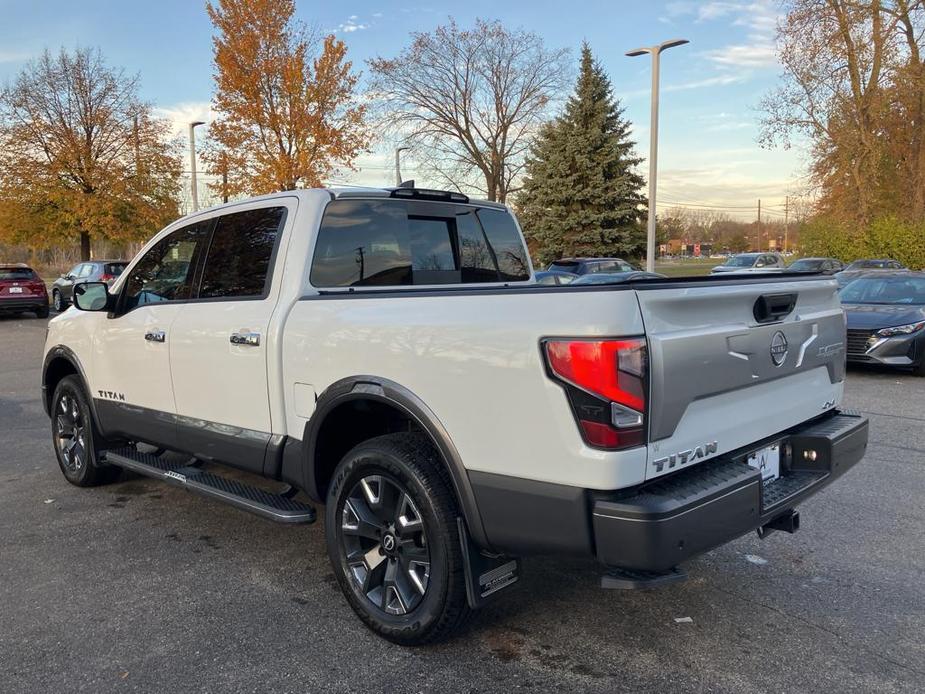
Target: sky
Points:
(709, 158)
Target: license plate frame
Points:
(766, 460)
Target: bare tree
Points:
(468, 99)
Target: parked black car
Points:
(555, 277)
(886, 319)
(866, 266)
(586, 266)
(21, 289)
(90, 271)
(822, 266)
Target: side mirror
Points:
(91, 296)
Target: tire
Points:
(410, 589)
(42, 312)
(76, 438)
(57, 301)
(920, 369)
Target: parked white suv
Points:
(751, 262)
(388, 354)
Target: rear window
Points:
(562, 267)
(17, 273)
(397, 242)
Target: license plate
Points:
(767, 460)
(15, 290)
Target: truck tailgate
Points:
(730, 365)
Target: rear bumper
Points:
(659, 524)
(698, 509)
(25, 303)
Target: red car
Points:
(21, 289)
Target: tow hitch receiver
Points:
(632, 579)
(789, 522)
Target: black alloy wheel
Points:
(393, 540)
(385, 544)
(76, 439)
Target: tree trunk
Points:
(84, 245)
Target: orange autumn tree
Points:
(287, 116)
(81, 156)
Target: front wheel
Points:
(76, 437)
(390, 525)
(57, 301)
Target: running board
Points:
(276, 507)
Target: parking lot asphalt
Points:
(138, 586)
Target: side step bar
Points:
(276, 507)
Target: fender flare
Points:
(66, 353)
(391, 393)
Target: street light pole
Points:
(655, 52)
(192, 161)
(398, 151)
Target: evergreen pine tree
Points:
(581, 195)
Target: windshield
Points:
(885, 290)
(870, 265)
(806, 265)
(16, 273)
(741, 261)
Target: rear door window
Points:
(238, 263)
(395, 242)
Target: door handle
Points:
(245, 339)
(156, 336)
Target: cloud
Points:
(758, 17)
(353, 24)
(181, 115)
(14, 56)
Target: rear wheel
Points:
(76, 437)
(42, 312)
(392, 539)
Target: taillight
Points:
(106, 277)
(606, 385)
(38, 287)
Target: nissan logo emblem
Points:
(778, 348)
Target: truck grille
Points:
(857, 341)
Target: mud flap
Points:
(487, 574)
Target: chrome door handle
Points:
(245, 339)
(156, 336)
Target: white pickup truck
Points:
(387, 353)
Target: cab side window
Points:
(166, 272)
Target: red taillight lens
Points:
(606, 385)
(105, 277)
(38, 287)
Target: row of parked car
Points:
(884, 301)
(22, 290)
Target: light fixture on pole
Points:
(192, 160)
(398, 151)
(655, 52)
